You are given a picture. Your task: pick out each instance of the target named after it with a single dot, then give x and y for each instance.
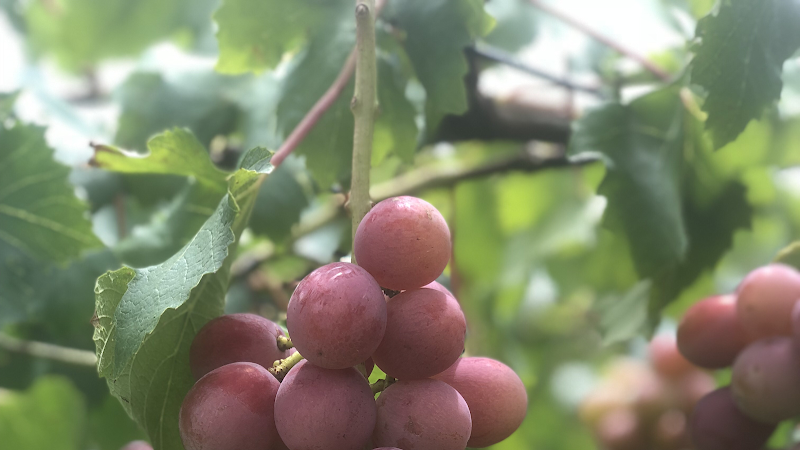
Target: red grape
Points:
(317, 408)
(669, 432)
(717, 424)
(620, 429)
(765, 300)
(231, 408)
(796, 324)
(710, 334)
(666, 359)
(692, 387)
(403, 242)
(495, 395)
(337, 316)
(435, 285)
(766, 380)
(422, 415)
(137, 445)
(235, 338)
(425, 332)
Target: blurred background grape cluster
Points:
(545, 287)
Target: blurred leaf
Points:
(622, 317)
(395, 129)
(436, 33)
(790, 255)
(48, 416)
(40, 214)
(643, 143)
(144, 331)
(329, 146)
(110, 428)
(254, 34)
(80, 33)
(203, 102)
(7, 100)
(739, 59)
(174, 152)
(281, 199)
(516, 24)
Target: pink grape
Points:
(235, 338)
(796, 324)
(137, 445)
(331, 409)
(425, 332)
(717, 424)
(710, 334)
(620, 429)
(765, 300)
(766, 380)
(666, 359)
(403, 242)
(435, 285)
(495, 395)
(337, 316)
(231, 408)
(670, 431)
(422, 415)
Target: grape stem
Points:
(284, 343)
(365, 108)
(283, 366)
(48, 351)
(381, 385)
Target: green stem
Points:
(284, 343)
(365, 107)
(283, 366)
(48, 351)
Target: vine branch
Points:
(48, 351)
(283, 366)
(603, 39)
(365, 108)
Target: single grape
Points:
(337, 316)
(422, 415)
(331, 409)
(425, 332)
(765, 299)
(670, 432)
(766, 380)
(235, 338)
(690, 388)
(717, 424)
(495, 395)
(710, 334)
(403, 242)
(231, 408)
(435, 285)
(620, 429)
(796, 324)
(137, 445)
(666, 359)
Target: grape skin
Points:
(403, 242)
(137, 445)
(766, 380)
(337, 316)
(717, 424)
(495, 395)
(766, 297)
(710, 334)
(435, 285)
(235, 338)
(331, 409)
(666, 359)
(620, 429)
(422, 415)
(425, 333)
(231, 408)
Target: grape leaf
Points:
(175, 152)
(436, 33)
(395, 128)
(624, 316)
(39, 213)
(643, 144)
(254, 34)
(7, 100)
(283, 196)
(147, 318)
(204, 102)
(80, 33)
(739, 59)
(50, 415)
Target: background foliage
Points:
(584, 217)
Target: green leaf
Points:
(395, 129)
(283, 196)
(436, 33)
(48, 416)
(175, 152)
(643, 144)
(110, 428)
(516, 24)
(147, 318)
(790, 255)
(7, 100)
(328, 147)
(81, 33)
(254, 34)
(739, 59)
(622, 317)
(39, 213)
(203, 102)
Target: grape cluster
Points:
(756, 331)
(342, 322)
(645, 406)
